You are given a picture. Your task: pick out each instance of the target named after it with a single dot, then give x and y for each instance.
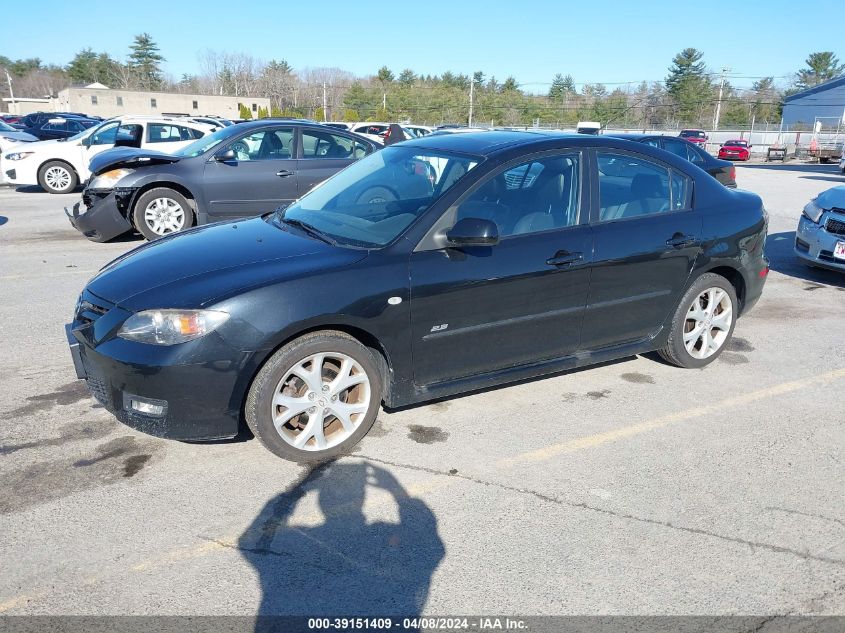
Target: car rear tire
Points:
(57, 177)
(315, 398)
(162, 211)
(703, 323)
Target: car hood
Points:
(42, 145)
(128, 157)
(831, 198)
(23, 137)
(198, 267)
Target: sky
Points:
(606, 42)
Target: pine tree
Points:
(689, 85)
(145, 61)
(820, 68)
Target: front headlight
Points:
(107, 180)
(18, 155)
(169, 327)
(813, 211)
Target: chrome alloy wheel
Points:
(164, 215)
(321, 401)
(708, 323)
(57, 178)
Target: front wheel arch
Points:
(167, 184)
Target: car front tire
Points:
(315, 398)
(57, 177)
(160, 212)
(703, 323)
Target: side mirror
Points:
(473, 232)
(225, 156)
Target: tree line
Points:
(688, 96)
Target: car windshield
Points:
(202, 145)
(5, 127)
(692, 134)
(737, 143)
(374, 200)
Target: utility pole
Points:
(12, 104)
(324, 102)
(719, 102)
(384, 101)
(471, 85)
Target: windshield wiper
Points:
(311, 230)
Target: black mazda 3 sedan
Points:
(430, 268)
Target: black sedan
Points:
(722, 170)
(239, 171)
(60, 127)
(429, 268)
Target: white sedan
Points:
(58, 166)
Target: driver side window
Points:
(536, 196)
(274, 144)
(105, 135)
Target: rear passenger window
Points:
(160, 133)
(679, 148)
(681, 191)
(631, 187)
(540, 195)
(318, 144)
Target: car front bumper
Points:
(191, 391)
(815, 245)
(105, 217)
(18, 173)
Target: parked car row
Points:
(242, 170)
(59, 165)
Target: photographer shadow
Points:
(345, 566)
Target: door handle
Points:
(284, 173)
(564, 258)
(679, 240)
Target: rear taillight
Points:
(733, 172)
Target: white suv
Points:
(58, 166)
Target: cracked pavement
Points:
(630, 488)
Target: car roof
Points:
(143, 118)
(493, 142)
(636, 137)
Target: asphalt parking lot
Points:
(628, 488)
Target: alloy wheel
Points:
(321, 401)
(708, 323)
(57, 178)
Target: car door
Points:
(323, 154)
(262, 175)
(103, 138)
(480, 309)
(647, 239)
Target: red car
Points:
(10, 118)
(698, 137)
(735, 150)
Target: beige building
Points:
(97, 99)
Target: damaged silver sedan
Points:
(820, 237)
